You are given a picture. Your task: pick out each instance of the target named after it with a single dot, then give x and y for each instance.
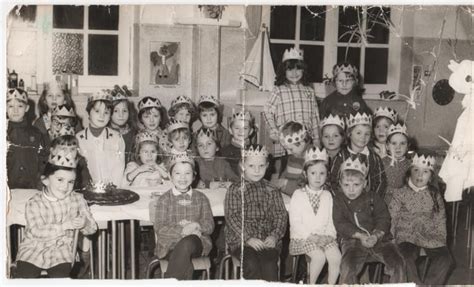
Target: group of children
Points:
(356, 195)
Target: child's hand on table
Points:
(256, 244)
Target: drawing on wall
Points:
(165, 63)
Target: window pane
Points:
(282, 22)
(68, 17)
(277, 51)
(376, 65)
(103, 17)
(313, 22)
(103, 55)
(353, 55)
(349, 22)
(68, 53)
(377, 20)
(314, 59)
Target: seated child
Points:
(211, 117)
(27, 153)
(183, 109)
(103, 147)
(362, 223)
(312, 230)
(210, 167)
(419, 221)
(332, 134)
(384, 117)
(264, 222)
(182, 220)
(151, 115)
(51, 217)
(145, 169)
(179, 135)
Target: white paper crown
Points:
(315, 153)
(241, 115)
(209, 99)
(344, 67)
(292, 54)
(358, 119)
(119, 97)
(149, 102)
(181, 157)
(398, 128)
(63, 158)
(333, 120)
(207, 133)
(17, 94)
(102, 95)
(63, 111)
(386, 112)
(146, 137)
(65, 130)
(354, 164)
(181, 100)
(175, 124)
(256, 150)
(296, 137)
(423, 161)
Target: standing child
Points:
(183, 109)
(211, 117)
(151, 115)
(27, 152)
(383, 118)
(419, 221)
(362, 223)
(312, 230)
(264, 221)
(332, 134)
(103, 147)
(51, 217)
(182, 220)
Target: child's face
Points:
(360, 136)
(352, 186)
(316, 175)
(151, 119)
(296, 148)
(58, 122)
(209, 118)
(60, 184)
(331, 137)
(294, 75)
(120, 114)
(54, 98)
(182, 176)
(398, 145)
(381, 129)
(180, 141)
(99, 115)
(254, 168)
(240, 131)
(206, 147)
(16, 110)
(148, 153)
(183, 115)
(344, 83)
(420, 176)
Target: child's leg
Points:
(388, 253)
(440, 265)
(251, 262)
(180, 265)
(27, 270)
(333, 256)
(318, 259)
(354, 255)
(62, 270)
(410, 253)
(269, 264)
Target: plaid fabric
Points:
(167, 212)
(46, 243)
(264, 212)
(314, 199)
(292, 102)
(304, 246)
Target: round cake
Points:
(108, 194)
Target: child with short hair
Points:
(183, 221)
(183, 109)
(51, 218)
(332, 134)
(103, 147)
(264, 223)
(362, 223)
(27, 152)
(211, 117)
(293, 99)
(419, 221)
(179, 136)
(383, 117)
(312, 230)
(151, 115)
(60, 116)
(359, 130)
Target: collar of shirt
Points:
(49, 198)
(414, 187)
(178, 193)
(365, 151)
(312, 191)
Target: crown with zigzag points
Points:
(60, 157)
(346, 68)
(295, 137)
(145, 136)
(208, 99)
(181, 157)
(206, 133)
(102, 95)
(149, 102)
(181, 100)
(358, 119)
(423, 161)
(255, 150)
(314, 153)
(398, 128)
(241, 115)
(175, 124)
(333, 120)
(355, 164)
(386, 112)
(292, 54)
(65, 130)
(63, 111)
(17, 94)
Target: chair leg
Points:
(223, 267)
(425, 269)
(295, 268)
(468, 224)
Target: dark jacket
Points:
(343, 105)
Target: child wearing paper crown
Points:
(182, 220)
(211, 117)
(103, 147)
(293, 99)
(152, 117)
(312, 230)
(183, 109)
(332, 134)
(27, 152)
(359, 130)
(419, 221)
(383, 117)
(51, 217)
(60, 116)
(264, 222)
(362, 223)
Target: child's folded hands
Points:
(270, 242)
(256, 244)
(191, 228)
(77, 223)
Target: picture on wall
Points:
(165, 63)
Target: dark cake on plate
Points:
(108, 194)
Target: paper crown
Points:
(181, 157)
(175, 124)
(17, 94)
(241, 115)
(102, 95)
(386, 112)
(119, 97)
(146, 137)
(333, 120)
(315, 153)
(208, 99)
(358, 119)
(255, 150)
(292, 54)
(60, 157)
(344, 67)
(354, 164)
(149, 102)
(181, 100)
(423, 161)
(398, 128)
(295, 137)
(65, 130)
(207, 133)
(63, 111)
